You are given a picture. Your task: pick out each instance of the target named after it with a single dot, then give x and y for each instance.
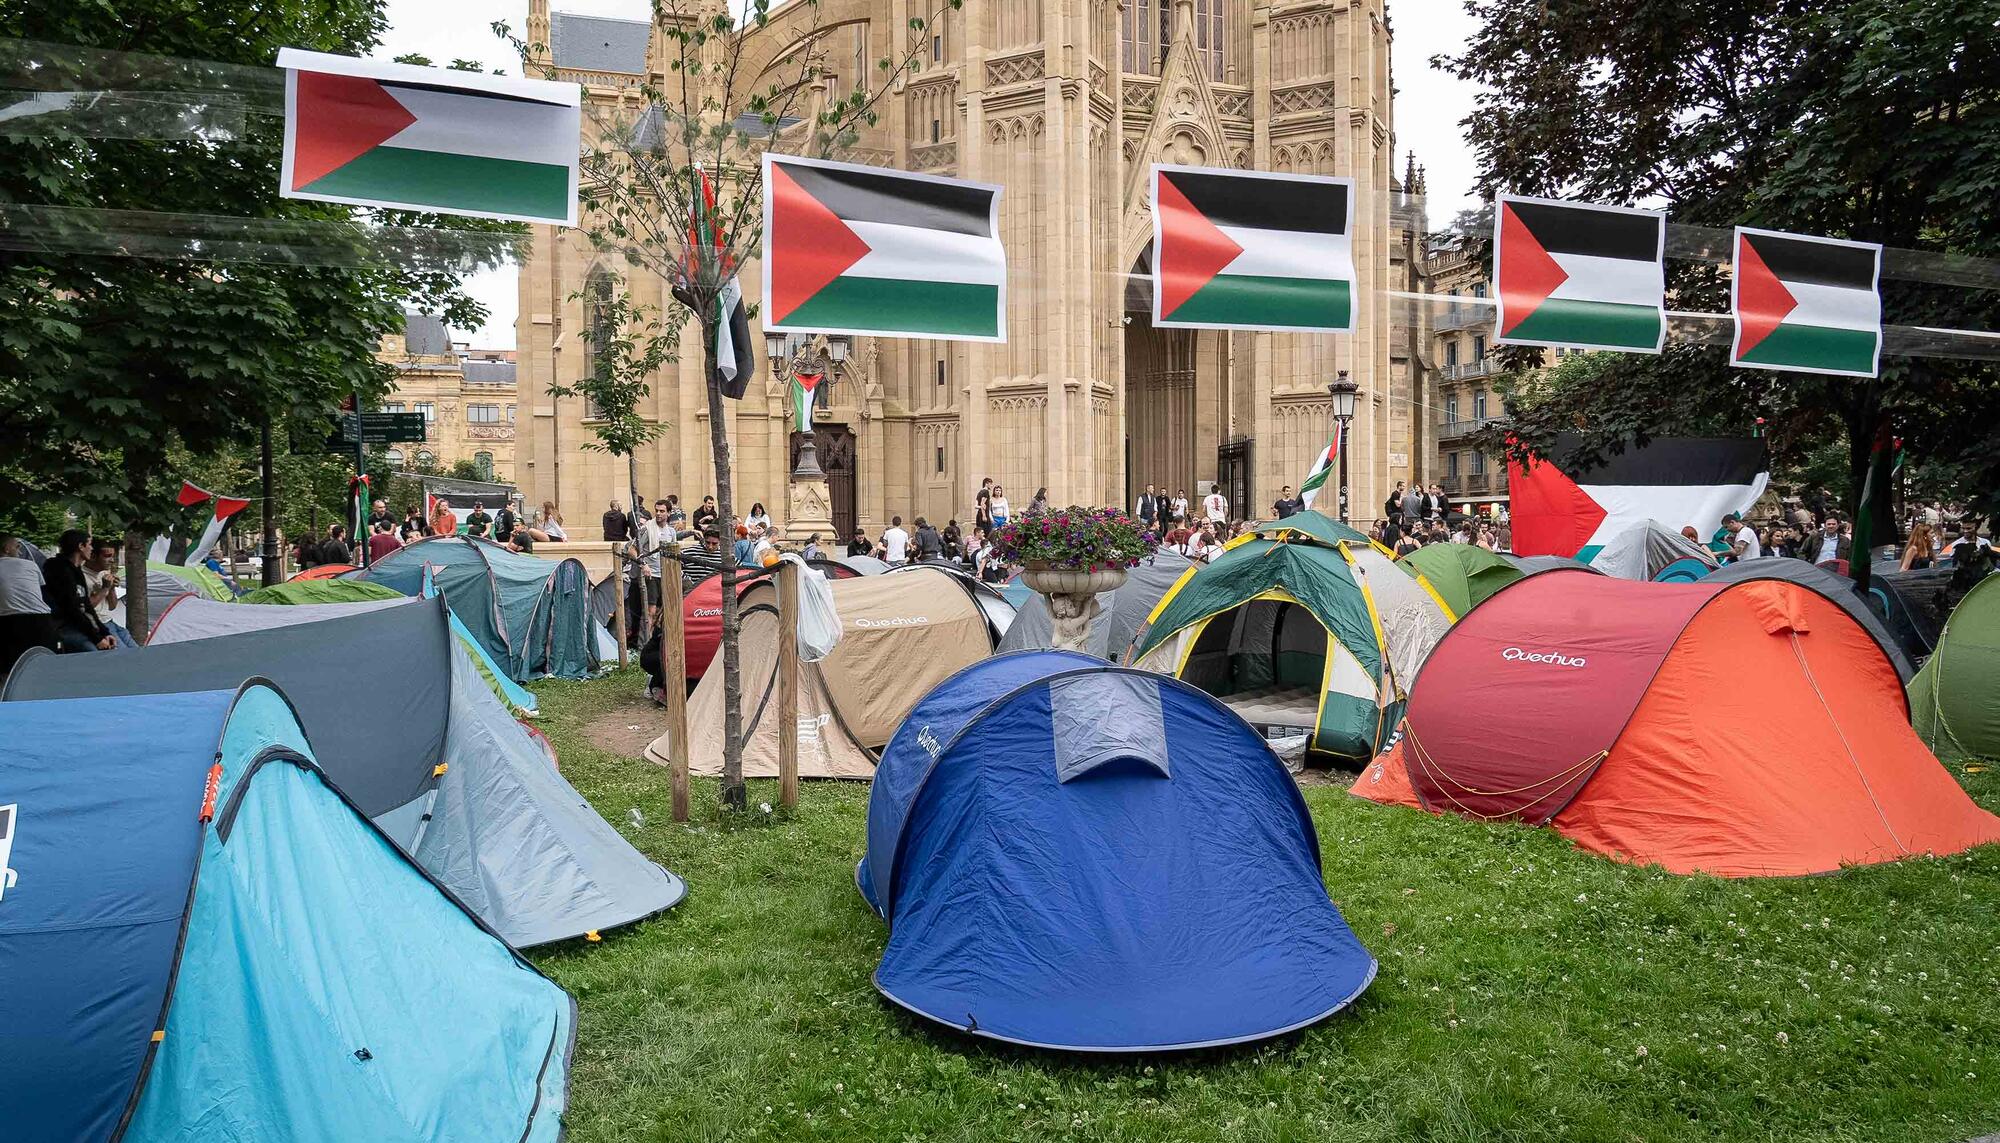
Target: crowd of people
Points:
(68, 601)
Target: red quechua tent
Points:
(1739, 729)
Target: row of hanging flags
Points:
(860, 250)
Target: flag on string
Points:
(1806, 304)
(1252, 250)
(368, 133)
(1580, 275)
(860, 250)
(1321, 470)
(192, 494)
(225, 507)
(805, 389)
(735, 361)
(1560, 507)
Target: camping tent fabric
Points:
(532, 615)
(1062, 849)
(409, 733)
(866, 565)
(1838, 588)
(701, 611)
(205, 941)
(993, 603)
(1535, 565)
(1644, 549)
(900, 635)
(1462, 575)
(192, 617)
(1224, 628)
(302, 591)
(1913, 606)
(322, 571)
(1687, 569)
(197, 579)
(1737, 729)
(1121, 613)
(1955, 699)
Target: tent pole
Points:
(788, 684)
(673, 665)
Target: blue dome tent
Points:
(1078, 856)
(202, 940)
(532, 615)
(1684, 570)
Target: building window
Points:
(940, 373)
(428, 410)
(393, 407)
(1451, 354)
(1451, 409)
(937, 49)
(1478, 289)
(424, 458)
(1208, 35)
(1147, 34)
(393, 456)
(1479, 405)
(1479, 347)
(482, 414)
(483, 463)
(937, 130)
(1478, 460)
(1451, 465)
(510, 414)
(940, 460)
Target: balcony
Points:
(1470, 370)
(1471, 484)
(1462, 317)
(1453, 429)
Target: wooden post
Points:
(788, 684)
(673, 665)
(618, 569)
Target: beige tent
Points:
(900, 636)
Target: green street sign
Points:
(377, 428)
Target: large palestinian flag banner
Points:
(366, 133)
(1252, 250)
(1578, 275)
(860, 250)
(1561, 508)
(1808, 305)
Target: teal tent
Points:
(203, 939)
(530, 614)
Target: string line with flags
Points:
(225, 507)
(1322, 469)
(734, 360)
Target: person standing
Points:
(895, 541)
(67, 593)
(930, 545)
(1413, 507)
(1040, 503)
(1441, 502)
(1215, 506)
(1177, 508)
(1392, 508)
(335, 549)
(617, 526)
(653, 535)
(1921, 550)
(1286, 504)
(25, 620)
(982, 504)
(382, 543)
(998, 508)
(505, 523)
(1743, 541)
(1148, 506)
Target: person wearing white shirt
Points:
(1180, 505)
(1743, 539)
(895, 541)
(1215, 506)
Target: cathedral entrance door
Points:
(1159, 407)
(835, 445)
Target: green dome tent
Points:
(305, 591)
(199, 579)
(1301, 626)
(1955, 698)
(1461, 575)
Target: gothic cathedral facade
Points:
(1066, 104)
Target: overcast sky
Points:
(1428, 104)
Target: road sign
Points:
(378, 428)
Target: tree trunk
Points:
(137, 618)
(733, 796)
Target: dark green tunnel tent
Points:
(1955, 698)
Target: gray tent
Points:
(193, 617)
(1530, 565)
(1645, 549)
(401, 722)
(1120, 615)
(866, 565)
(1838, 588)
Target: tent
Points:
(866, 565)
(993, 604)
(199, 579)
(192, 617)
(1956, 697)
(322, 571)
(1303, 626)
(1079, 856)
(1913, 605)
(1687, 569)
(1646, 550)
(532, 615)
(1120, 614)
(408, 732)
(296, 590)
(701, 610)
(1462, 575)
(1738, 729)
(202, 940)
(1535, 565)
(1838, 588)
(1016, 591)
(900, 635)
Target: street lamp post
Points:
(1343, 392)
(792, 355)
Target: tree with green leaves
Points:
(672, 183)
(178, 303)
(1861, 119)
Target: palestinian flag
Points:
(367, 133)
(1321, 471)
(1561, 508)
(1252, 250)
(1579, 275)
(805, 389)
(860, 250)
(1806, 304)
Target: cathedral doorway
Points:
(1159, 407)
(835, 445)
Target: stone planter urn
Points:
(1072, 594)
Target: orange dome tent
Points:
(1739, 729)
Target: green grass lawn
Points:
(1527, 991)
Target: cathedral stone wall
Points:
(1066, 104)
